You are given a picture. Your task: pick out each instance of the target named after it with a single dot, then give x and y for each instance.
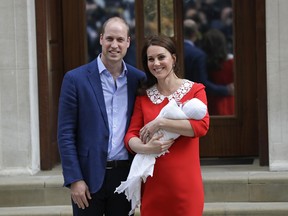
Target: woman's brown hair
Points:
(157, 40)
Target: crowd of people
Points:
(215, 14)
(208, 51)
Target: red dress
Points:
(222, 105)
(176, 187)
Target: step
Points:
(246, 209)
(220, 184)
(33, 191)
(244, 186)
(57, 210)
(210, 209)
(37, 211)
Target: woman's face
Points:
(160, 61)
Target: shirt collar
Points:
(102, 67)
(189, 41)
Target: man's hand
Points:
(230, 88)
(80, 193)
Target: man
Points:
(194, 57)
(95, 106)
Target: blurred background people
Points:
(194, 57)
(220, 69)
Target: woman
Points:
(176, 186)
(220, 67)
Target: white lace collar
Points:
(157, 98)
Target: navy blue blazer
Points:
(194, 63)
(83, 131)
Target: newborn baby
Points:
(143, 164)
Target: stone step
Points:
(210, 209)
(37, 211)
(220, 186)
(245, 186)
(246, 209)
(33, 191)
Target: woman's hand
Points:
(154, 146)
(157, 146)
(147, 132)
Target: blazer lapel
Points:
(131, 82)
(132, 85)
(94, 79)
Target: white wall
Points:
(19, 127)
(277, 82)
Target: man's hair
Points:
(115, 18)
(190, 28)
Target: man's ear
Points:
(128, 41)
(101, 38)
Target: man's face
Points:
(114, 41)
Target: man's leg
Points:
(117, 204)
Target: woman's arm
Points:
(181, 127)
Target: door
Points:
(50, 74)
(239, 135)
(61, 46)
(245, 133)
